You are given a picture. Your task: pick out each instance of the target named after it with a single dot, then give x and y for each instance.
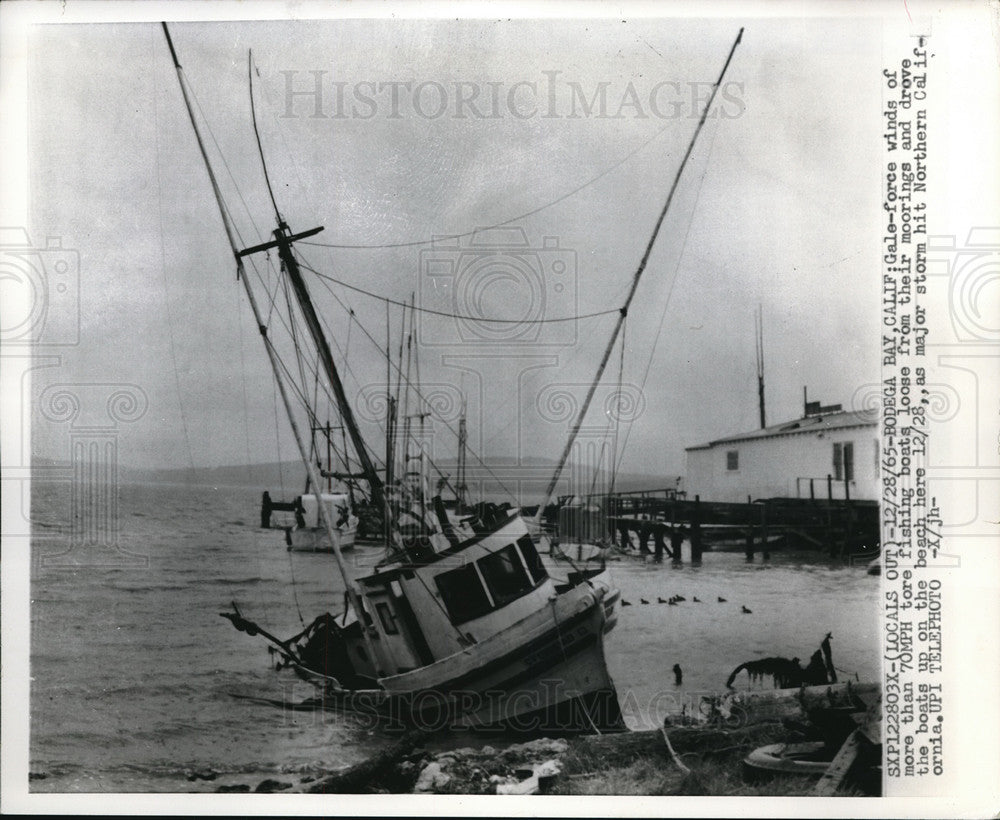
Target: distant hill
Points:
(499, 479)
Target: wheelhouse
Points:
(441, 602)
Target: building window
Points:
(843, 461)
(733, 460)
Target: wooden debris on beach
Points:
(358, 779)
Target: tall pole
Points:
(283, 241)
(623, 312)
(760, 364)
(462, 444)
(329, 458)
(352, 592)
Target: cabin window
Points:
(733, 460)
(532, 559)
(843, 461)
(463, 593)
(387, 618)
(506, 577)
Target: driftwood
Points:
(677, 761)
(622, 748)
(738, 714)
(356, 779)
(746, 708)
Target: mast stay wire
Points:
(614, 444)
(401, 377)
(424, 242)
(670, 291)
(260, 150)
(417, 243)
(406, 305)
(403, 305)
(163, 275)
(408, 244)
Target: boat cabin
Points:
(338, 507)
(482, 582)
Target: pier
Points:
(843, 528)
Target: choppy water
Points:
(133, 671)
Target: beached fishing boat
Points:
(460, 624)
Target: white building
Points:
(784, 460)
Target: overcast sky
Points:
(778, 207)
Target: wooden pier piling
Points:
(696, 547)
(763, 532)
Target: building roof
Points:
(814, 423)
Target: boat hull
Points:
(315, 539)
(548, 676)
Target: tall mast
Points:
(623, 312)
(760, 365)
(352, 592)
(462, 445)
(283, 239)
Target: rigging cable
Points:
(465, 234)
(163, 274)
(518, 218)
(277, 441)
(445, 422)
(243, 380)
(295, 590)
(614, 444)
(468, 318)
(670, 291)
(260, 150)
(239, 193)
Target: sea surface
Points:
(138, 685)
